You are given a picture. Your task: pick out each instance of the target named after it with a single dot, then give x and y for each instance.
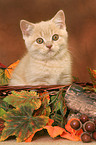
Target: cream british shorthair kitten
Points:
(47, 61)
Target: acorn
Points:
(85, 137)
(84, 118)
(89, 126)
(75, 124)
(94, 135)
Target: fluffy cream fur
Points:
(47, 62)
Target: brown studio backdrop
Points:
(80, 21)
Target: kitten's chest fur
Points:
(47, 72)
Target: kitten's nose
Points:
(49, 46)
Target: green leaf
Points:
(59, 103)
(56, 104)
(24, 98)
(2, 112)
(21, 123)
(59, 108)
(3, 78)
(4, 105)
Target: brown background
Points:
(80, 21)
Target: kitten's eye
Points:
(39, 40)
(55, 37)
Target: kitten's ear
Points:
(26, 27)
(59, 19)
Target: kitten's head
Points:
(47, 39)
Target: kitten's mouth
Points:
(50, 53)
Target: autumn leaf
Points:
(54, 131)
(92, 74)
(69, 136)
(3, 78)
(4, 105)
(45, 98)
(21, 123)
(2, 112)
(44, 108)
(6, 72)
(1, 125)
(3, 66)
(59, 108)
(25, 98)
(56, 104)
(59, 103)
(58, 119)
(29, 139)
(49, 123)
(9, 69)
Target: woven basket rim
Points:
(40, 87)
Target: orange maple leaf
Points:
(69, 136)
(9, 69)
(54, 131)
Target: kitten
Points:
(47, 61)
